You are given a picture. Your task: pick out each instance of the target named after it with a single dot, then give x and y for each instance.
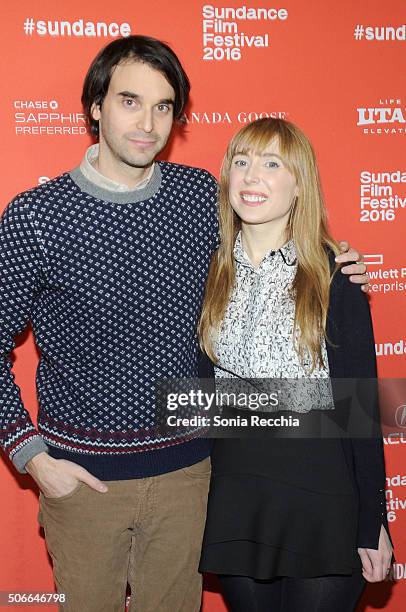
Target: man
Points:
(109, 262)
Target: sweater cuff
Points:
(34, 446)
(372, 515)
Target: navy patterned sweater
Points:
(112, 284)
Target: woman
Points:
(292, 523)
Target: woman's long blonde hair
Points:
(307, 226)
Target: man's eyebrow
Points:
(134, 96)
(167, 101)
(128, 94)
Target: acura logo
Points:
(400, 416)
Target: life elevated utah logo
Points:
(387, 117)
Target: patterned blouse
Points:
(255, 339)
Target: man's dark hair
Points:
(143, 49)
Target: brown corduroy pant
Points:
(145, 532)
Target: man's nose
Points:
(145, 120)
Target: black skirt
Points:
(281, 508)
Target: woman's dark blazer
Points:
(351, 354)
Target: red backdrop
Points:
(333, 68)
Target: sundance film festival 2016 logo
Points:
(388, 117)
(395, 501)
(78, 28)
(386, 349)
(223, 40)
(380, 199)
(45, 118)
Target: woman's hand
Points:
(376, 563)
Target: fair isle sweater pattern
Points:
(112, 284)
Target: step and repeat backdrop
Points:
(337, 69)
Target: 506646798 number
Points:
(35, 598)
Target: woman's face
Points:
(261, 188)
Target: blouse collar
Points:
(286, 255)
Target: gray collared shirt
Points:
(100, 180)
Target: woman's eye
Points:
(272, 164)
(240, 163)
(163, 108)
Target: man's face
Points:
(136, 116)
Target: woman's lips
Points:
(253, 198)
